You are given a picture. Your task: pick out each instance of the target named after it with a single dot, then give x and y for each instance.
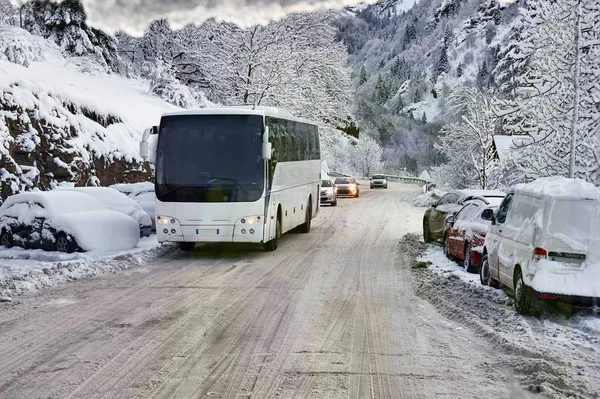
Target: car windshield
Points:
(344, 180)
(378, 177)
(326, 183)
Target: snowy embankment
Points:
(557, 354)
(425, 200)
(63, 119)
(24, 271)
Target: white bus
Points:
(234, 175)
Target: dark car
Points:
(347, 186)
(434, 221)
(464, 236)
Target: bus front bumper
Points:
(212, 233)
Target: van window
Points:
(521, 223)
(326, 183)
(576, 219)
(504, 208)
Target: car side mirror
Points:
(267, 151)
(450, 220)
(487, 214)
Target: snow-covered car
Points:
(378, 181)
(143, 194)
(117, 201)
(465, 233)
(65, 221)
(328, 192)
(434, 220)
(544, 243)
(347, 186)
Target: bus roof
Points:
(243, 110)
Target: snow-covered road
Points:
(331, 314)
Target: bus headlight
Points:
(164, 220)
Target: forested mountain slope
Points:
(406, 63)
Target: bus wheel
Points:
(187, 246)
(305, 227)
(274, 243)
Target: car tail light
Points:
(539, 254)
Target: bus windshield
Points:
(210, 158)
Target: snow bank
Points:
(26, 271)
(551, 354)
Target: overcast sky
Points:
(135, 15)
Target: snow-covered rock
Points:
(59, 124)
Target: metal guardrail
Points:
(390, 177)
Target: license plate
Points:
(207, 232)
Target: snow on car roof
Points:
(134, 188)
(483, 193)
(559, 187)
(58, 202)
(108, 196)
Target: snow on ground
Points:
(24, 271)
(557, 354)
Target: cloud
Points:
(134, 16)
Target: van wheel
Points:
(274, 243)
(334, 203)
(187, 246)
(6, 239)
(523, 300)
(305, 227)
(485, 274)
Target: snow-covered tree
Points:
(553, 97)
(367, 156)
(468, 144)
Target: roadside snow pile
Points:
(427, 199)
(26, 271)
(59, 124)
(555, 355)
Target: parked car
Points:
(347, 186)
(379, 181)
(544, 243)
(143, 194)
(464, 235)
(328, 192)
(434, 220)
(65, 221)
(119, 202)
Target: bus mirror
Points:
(144, 150)
(267, 150)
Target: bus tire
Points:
(274, 243)
(305, 227)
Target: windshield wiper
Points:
(228, 179)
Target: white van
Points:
(544, 243)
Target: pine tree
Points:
(381, 93)
(443, 65)
(363, 77)
(459, 70)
